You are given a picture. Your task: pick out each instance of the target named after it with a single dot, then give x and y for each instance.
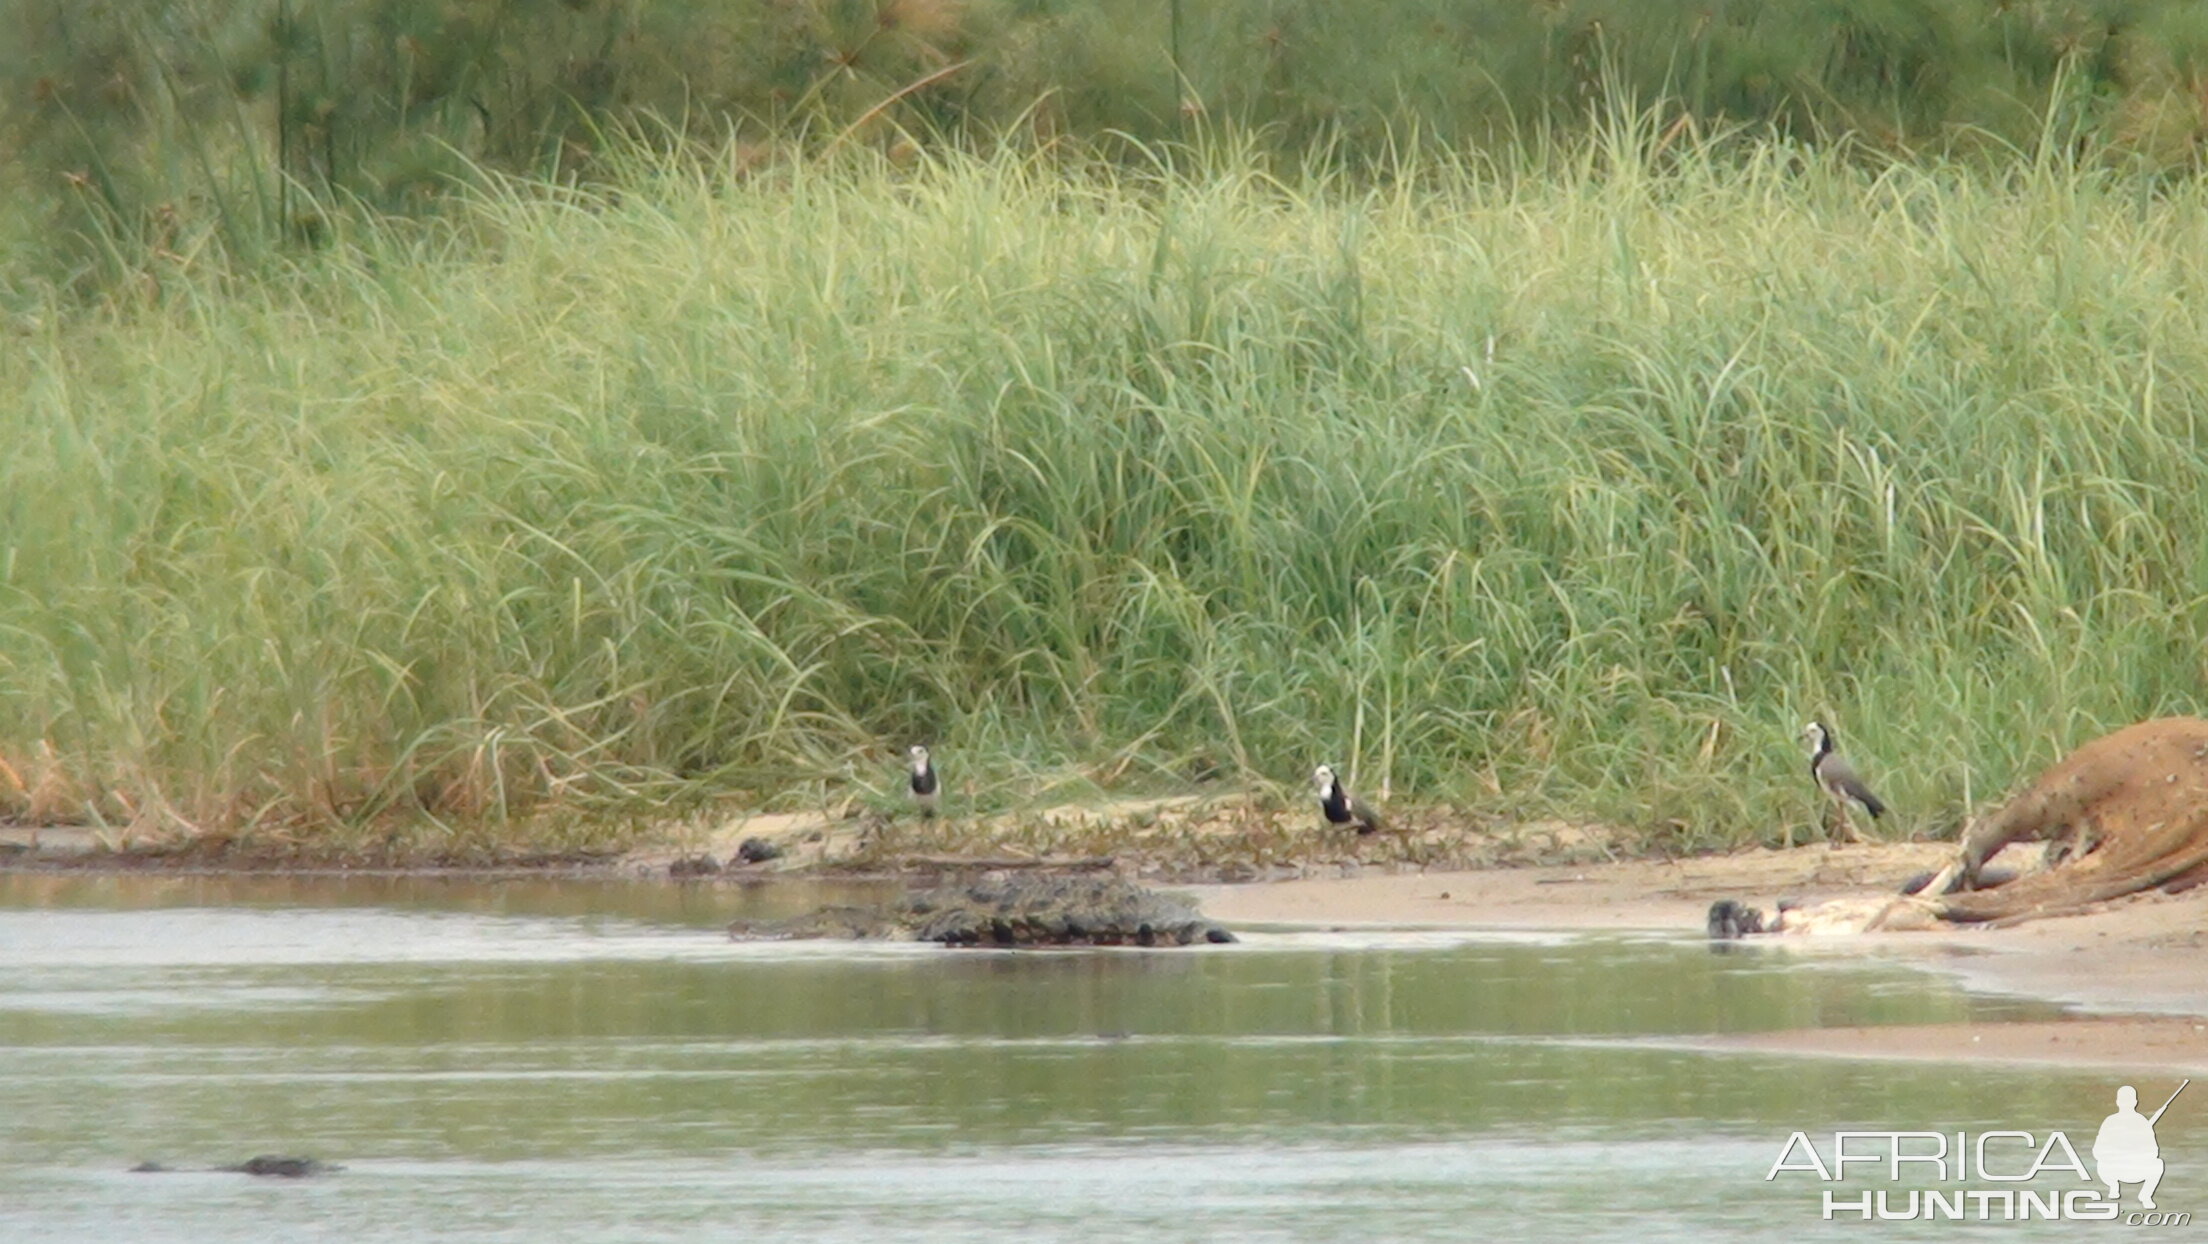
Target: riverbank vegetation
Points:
(1560, 477)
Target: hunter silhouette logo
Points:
(2125, 1151)
(1995, 1176)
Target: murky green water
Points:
(551, 1061)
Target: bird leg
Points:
(1849, 835)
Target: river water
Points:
(551, 1061)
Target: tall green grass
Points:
(1567, 483)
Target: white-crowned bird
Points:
(1838, 780)
(1341, 807)
(925, 787)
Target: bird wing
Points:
(1840, 779)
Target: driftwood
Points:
(2125, 813)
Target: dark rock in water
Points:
(756, 851)
(274, 1165)
(1023, 910)
(1729, 920)
(694, 866)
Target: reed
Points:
(1563, 481)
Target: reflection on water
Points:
(585, 1061)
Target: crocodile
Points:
(1024, 910)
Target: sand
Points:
(2135, 972)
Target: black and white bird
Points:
(1341, 807)
(1838, 779)
(925, 787)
